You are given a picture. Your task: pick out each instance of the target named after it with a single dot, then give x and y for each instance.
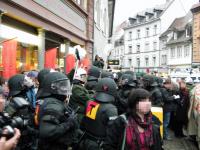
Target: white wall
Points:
(143, 53)
(175, 10)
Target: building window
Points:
(172, 52)
(155, 29)
(175, 36)
(138, 48)
(138, 34)
(130, 36)
(164, 60)
(146, 61)
(186, 51)
(154, 61)
(147, 32)
(179, 51)
(130, 49)
(146, 46)
(130, 62)
(154, 45)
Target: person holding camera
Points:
(7, 144)
(21, 111)
(10, 144)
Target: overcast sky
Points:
(126, 8)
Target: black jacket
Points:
(115, 134)
(56, 131)
(170, 103)
(156, 96)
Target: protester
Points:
(134, 130)
(181, 118)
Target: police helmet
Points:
(16, 84)
(106, 90)
(55, 83)
(131, 73)
(107, 74)
(93, 73)
(81, 75)
(149, 81)
(127, 80)
(42, 74)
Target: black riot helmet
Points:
(56, 83)
(131, 73)
(127, 80)
(149, 81)
(16, 85)
(106, 90)
(107, 74)
(159, 81)
(42, 74)
(93, 73)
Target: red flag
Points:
(70, 62)
(9, 58)
(85, 63)
(50, 58)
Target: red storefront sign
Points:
(9, 58)
(50, 58)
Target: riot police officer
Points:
(150, 84)
(57, 123)
(18, 86)
(92, 79)
(80, 94)
(127, 83)
(99, 113)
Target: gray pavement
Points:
(179, 144)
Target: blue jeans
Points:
(166, 120)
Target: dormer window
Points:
(175, 36)
(140, 18)
(132, 20)
(157, 12)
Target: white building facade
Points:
(176, 44)
(141, 37)
(101, 27)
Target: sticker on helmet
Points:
(92, 109)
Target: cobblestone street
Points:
(179, 144)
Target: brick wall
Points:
(90, 28)
(196, 37)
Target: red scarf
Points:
(133, 135)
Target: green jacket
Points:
(79, 98)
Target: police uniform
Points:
(17, 91)
(127, 83)
(98, 115)
(57, 124)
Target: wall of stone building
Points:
(196, 36)
(90, 29)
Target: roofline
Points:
(153, 19)
(140, 24)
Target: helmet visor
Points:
(63, 87)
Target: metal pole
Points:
(41, 48)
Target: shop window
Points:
(27, 57)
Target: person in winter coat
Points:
(134, 130)
(180, 116)
(170, 105)
(194, 114)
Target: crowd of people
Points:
(92, 109)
